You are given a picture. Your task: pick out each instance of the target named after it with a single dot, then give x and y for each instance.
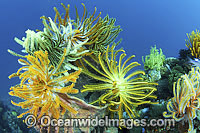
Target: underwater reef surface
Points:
(9, 121)
(72, 69)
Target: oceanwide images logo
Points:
(46, 121)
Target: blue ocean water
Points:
(144, 23)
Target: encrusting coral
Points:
(80, 37)
(193, 43)
(40, 85)
(123, 92)
(186, 98)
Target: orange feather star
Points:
(40, 85)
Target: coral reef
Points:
(73, 62)
(9, 122)
(176, 68)
(173, 68)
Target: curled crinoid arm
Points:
(82, 36)
(99, 32)
(123, 91)
(186, 98)
(40, 84)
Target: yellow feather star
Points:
(123, 91)
(186, 98)
(193, 43)
(40, 84)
